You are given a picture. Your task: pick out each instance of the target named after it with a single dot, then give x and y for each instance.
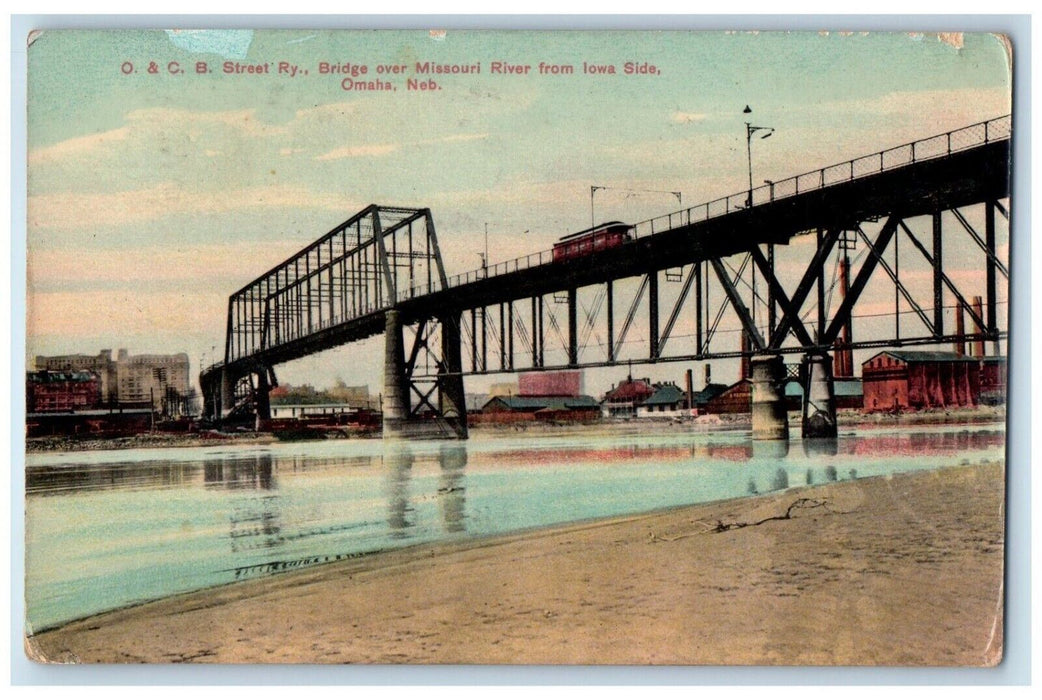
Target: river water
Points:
(110, 528)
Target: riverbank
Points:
(894, 571)
(67, 443)
(848, 420)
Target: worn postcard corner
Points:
(517, 347)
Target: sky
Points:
(154, 195)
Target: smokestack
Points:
(960, 332)
(745, 356)
(690, 391)
(978, 345)
(843, 362)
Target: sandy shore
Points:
(895, 571)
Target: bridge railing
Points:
(924, 149)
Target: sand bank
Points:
(896, 571)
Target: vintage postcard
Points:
(517, 347)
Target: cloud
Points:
(78, 146)
(73, 211)
(380, 149)
(687, 117)
(144, 126)
(383, 149)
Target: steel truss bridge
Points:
(906, 220)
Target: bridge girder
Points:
(339, 288)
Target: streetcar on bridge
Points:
(595, 239)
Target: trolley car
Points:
(592, 240)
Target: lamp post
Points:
(749, 131)
(484, 256)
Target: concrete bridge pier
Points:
(819, 397)
(227, 395)
(452, 402)
(262, 400)
(769, 417)
(396, 390)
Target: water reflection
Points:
(232, 471)
(250, 472)
(398, 461)
(451, 492)
(824, 446)
(104, 534)
(118, 475)
(770, 449)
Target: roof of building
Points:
(924, 356)
(737, 386)
(665, 395)
(630, 390)
(48, 376)
(708, 393)
(540, 403)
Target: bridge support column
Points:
(451, 398)
(227, 394)
(819, 398)
(770, 420)
(396, 397)
(262, 402)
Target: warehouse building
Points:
(904, 379)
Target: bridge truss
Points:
(805, 265)
(907, 275)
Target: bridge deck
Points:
(835, 197)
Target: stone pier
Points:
(396, 391)
(769, 417)
(819, 398)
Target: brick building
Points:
(993, 380)
(736, 398)
(129, 379)
(50, 392)
(623, 400)
(567, 383)
(903, 379)
(101, 364)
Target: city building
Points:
(709, 392)
(993, 380)
(101, 364)
(311, 410)
(668, 401)
(148, 378)
(50, 392)
(159, 380)
(504, 389)
(904, 379)
(736, 398)
(623, 400)
(563, 409)
(567, 383)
